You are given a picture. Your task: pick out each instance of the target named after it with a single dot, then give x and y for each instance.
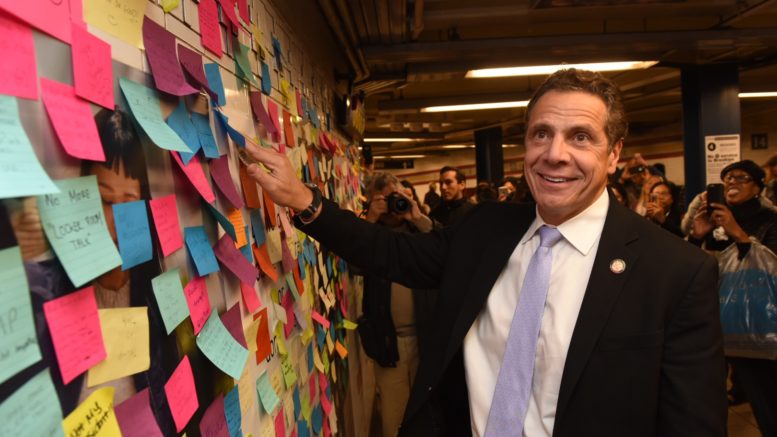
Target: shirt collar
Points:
(582, 230)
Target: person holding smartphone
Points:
(663, 207)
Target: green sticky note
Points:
(221, 348)
(20, 173)
(170, 298)
(292, 286)
(18, 344)
(267, 394)
(75, 226)
(144, 104)
(33, 409)
(289, 374)
(242, 63)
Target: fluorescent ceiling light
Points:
(476, 106)
(388, 140)
(458, 146)
(399, 157)
(537, 70)
(757, 95)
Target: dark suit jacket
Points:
(646, 355)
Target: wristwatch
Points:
(306, 215)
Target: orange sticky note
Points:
(341, 350)
(287, 129)
(250, 192)
(263, 346)
(298, 280)
(236, 218)
(265, 264)
(18, 73)
(165, 213)
(74, 325)
(196, 293)
(193, 171)
(182, 394)
(73, 121)
(269, 210)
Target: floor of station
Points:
(741, 422)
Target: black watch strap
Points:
(307, 214)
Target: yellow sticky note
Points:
(325, 359)
(94, 417)
(251, 333)
(317, 362)
(341, 350)
(279, 340)
(307, 334)
(329, 344)
(125, 334)
(121, 18)
(349, 325)
(169, 5)
(334, 374)
(289, 375)
(276, 379)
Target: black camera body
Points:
(397, 203)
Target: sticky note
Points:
(219, 171)
(92, 68)
(286, 259)
(205, 134)
(272, 111)
(243, 69)
(121, 18)
(257, 226)
(228, 10)
(232, 412)
(200, 250)
(223, 220)
(341, 350)
(320, 319)
(162, 58)
(260, 114)
(192, 66)
(250, 191)
(169, 5)
(33, 409)
(221, 348)
(233, 321)
(250, 298)
(181, 123)
(274, 245)
(289, 374)
(18, 71)
(133, 233)
(181, 394)
(263, 346)
(168, 292)
(280, 424)
(349, 325)
(266, 80)
(168, 230)
(94, 417)
(50, 17)
(125, 334)
(263, 258)
(236, 218)
(21, 173)
(136, 418)
(193, 171)
(72, 120)
(212, 71)
(210, 30)
(19, 344)
(267, 394)
(234, 260)
(236, 136)
(252, 333)
(196, 293)
(75, 331)
(214, 422)
(144, 104)
(287, 129)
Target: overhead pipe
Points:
(332, 18)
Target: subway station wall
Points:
(152, 291)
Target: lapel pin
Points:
(617, 266)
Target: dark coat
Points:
(646, 356)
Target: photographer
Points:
(637, 177)
(393, 315)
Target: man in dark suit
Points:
(574, 317)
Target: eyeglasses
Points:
(740, 179)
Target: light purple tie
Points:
(513, 386)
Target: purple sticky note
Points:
(214, 422)
(234, 260)
(160, 50)
(192, 66)
(136, 418)
(232, 321)
(219, 171)
(261, 115)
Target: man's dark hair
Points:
(460, 178)
(572, 79)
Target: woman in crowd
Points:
(664, 207)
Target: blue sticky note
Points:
(236, 136)
(215, 83)
(310, 357)
(246, 249)
(145, 106)
(267, 395)
(297, 404)
(266, 79)
(229, 228)
(320, 337)
(133, 233)
(302, 428)
(278, 52)
(317, 419)
(182, 124)
(205, 134)
(301, 262)
(314, 118)
(232, 412)
(257, 225)
(304, 107)
(200, 250)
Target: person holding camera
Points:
(393, 315)
(664, 207)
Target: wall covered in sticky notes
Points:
(148, 281)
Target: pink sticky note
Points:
(272, 111)
(73, 121)
(288, 230)
(320, 319)
(287, 261)
(160, 50)
(192, 66)
(210, 30)
(52, 17)
(232, 321)
(234, 260)
(228, 9)
(312, 385)
(75, 331)
(193, 171)
(92, 68)
(196, 293)
(242, 8)
(18, 73)
(325, 404)
(250, 298)
(77, 12)
(280, 423)
(181, 394)
(136, 418)
(165, 213)
(288, 304)
(325, 430)
(260, 114)
(214, 421)
(219, 171)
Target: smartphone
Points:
(503, 191)
(653, 198)
(714, 195)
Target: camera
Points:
(397, 203)
(637, 170)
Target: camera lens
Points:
(397, 203)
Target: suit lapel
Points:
(602, 291)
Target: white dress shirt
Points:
(484, 344)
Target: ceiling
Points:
(410, 54)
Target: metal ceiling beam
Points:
(599, 43)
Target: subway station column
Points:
(489, 159)
(710, 107)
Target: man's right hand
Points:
(279, 179)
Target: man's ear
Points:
(614, 156)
